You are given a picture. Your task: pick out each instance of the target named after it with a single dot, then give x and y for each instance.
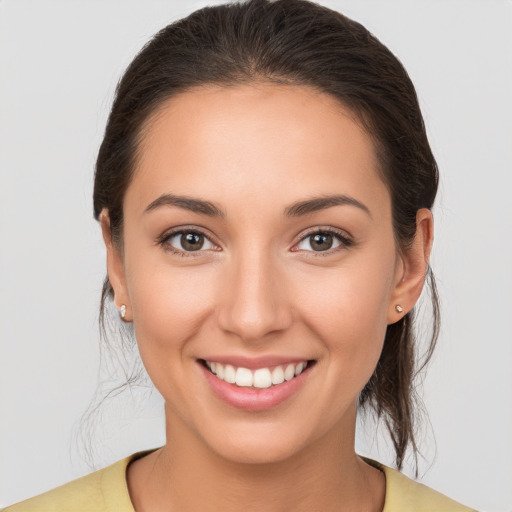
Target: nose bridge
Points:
(253, 305)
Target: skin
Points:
(259, 289)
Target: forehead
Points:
(255, 140)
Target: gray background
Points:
(59, 63)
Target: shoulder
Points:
(404, 494)
(102, 491)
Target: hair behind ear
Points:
(391, 390)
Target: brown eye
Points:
(188, 241)
(192, 241)
(321, 242)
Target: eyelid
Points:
(345, 239)
(342, 236)
(178, 230)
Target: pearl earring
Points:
(122, 311)
(399, 308)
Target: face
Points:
(258, 244)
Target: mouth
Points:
(258, 378)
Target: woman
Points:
(264, 189)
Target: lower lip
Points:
(251, 399)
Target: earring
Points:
(399, 308)
(122, 311)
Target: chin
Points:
(261, 444)
(260, 453)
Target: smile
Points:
(256, 384)
(260, 378)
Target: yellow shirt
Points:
(106, 491)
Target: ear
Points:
(115, 267)
(412, 267)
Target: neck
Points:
(188, 476)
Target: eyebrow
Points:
(322, 203)
(295, 210)
(187, 203)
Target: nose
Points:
(254, 299)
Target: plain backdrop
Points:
(59, 64)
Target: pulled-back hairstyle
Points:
(300, 43)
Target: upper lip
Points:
(253, 363)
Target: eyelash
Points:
(163, 241)
(341, 236)
(344, 240)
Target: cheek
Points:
(347, 308)
(169, 306)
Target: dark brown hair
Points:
(301, 43)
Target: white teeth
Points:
(289, 373)
(243, 377)
(277, 375)
(229, 374)
(299, 368)
(261, 378)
